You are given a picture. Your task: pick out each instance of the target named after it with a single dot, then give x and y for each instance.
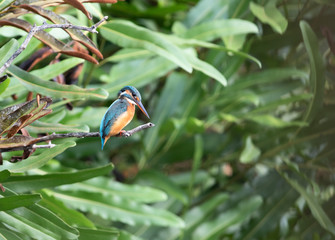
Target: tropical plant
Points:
(241, 95)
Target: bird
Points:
(120, 113)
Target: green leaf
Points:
(270, 15)
(129, 54)
(210, 229)
(198, 214)
(271, 121)
(129, 35)
(118, 209)
(161, 181)
(4, 85)
(11, 202)
(36, 222)
(53, 70)
(4, 174)
(8, 49)
(266, 77)
(97, 234)
(205, 67)
(317, 74)
(171, 96)
(35, 182)
(314, 205)
(107, 187)
(42, 127)
(6, 234)
(3, 5)
(144, 71)
(211, 30)
(70, 216)
(37, 161)
(53, 89)
(250, 152)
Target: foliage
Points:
(241, 93)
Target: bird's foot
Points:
(124, 133)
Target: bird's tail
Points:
(103, 140)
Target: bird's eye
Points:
(134, 95)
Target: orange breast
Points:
(122, 121)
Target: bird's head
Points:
(133, 96)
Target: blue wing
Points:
(114, 111)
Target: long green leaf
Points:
(11, 202)
(53, 89)
(4, 85)
(53, 70)
(127, 34)
(118, 209)
(35, 182)
(37, 222)
(37, 161)
(313, 205)
(7, 50)
(211, 30)
(107, 187)
(6, 234)
(97, 234)
(70, 216)
(270, 15)
(42, 127)
(210, 229)
(144, 71)
(317, 75)
(205, 68)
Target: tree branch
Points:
(73, 135)
(34, 29)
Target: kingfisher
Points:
(120, 113)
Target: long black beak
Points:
(140, 106)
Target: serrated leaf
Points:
(11, 202)
(107, 187)
(37, 222)
(70, 216)
(98, 234)
(129, 35)
(37, 161)
(160, 181)
(118, 209)
(36, 182)
(250, 152)
(53, 89)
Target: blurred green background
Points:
(242, 96)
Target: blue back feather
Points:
(114, 111)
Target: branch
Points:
(34, 29)
(73, 135)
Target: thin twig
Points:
(34, 29)
(73, 135)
